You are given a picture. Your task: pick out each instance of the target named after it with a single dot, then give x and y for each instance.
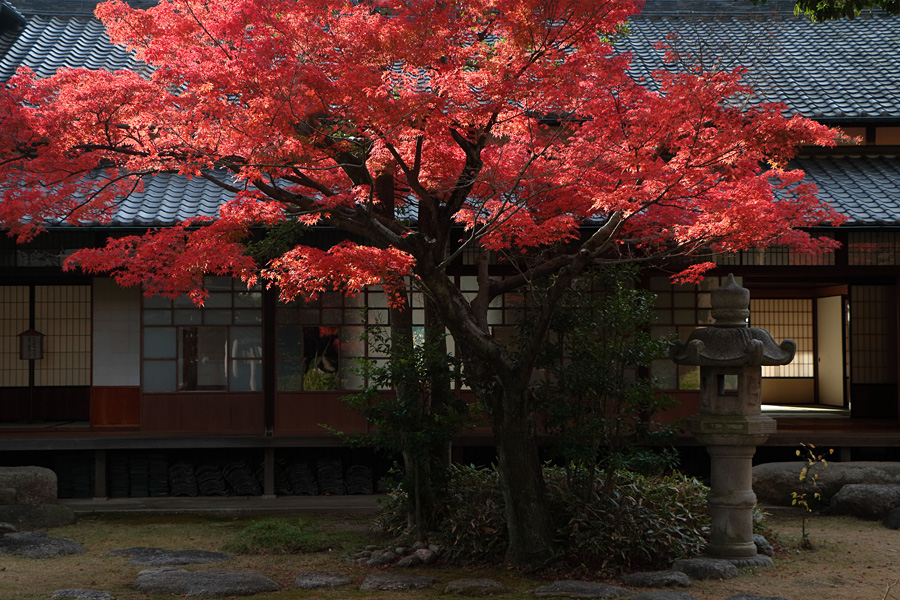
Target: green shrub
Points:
(276, 536)
(644, 522)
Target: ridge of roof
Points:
(67, 8)
(717, 8)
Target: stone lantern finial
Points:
(730, 304)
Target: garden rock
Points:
(7, 528)
(892, 520)
(37, 516)
(418, 553)
(81, 595)
(474, 587)
(657, 579)
(409, 561)
(774, 482)
(203, 584)
(705, 568)
(32, 485)
(580, 589)
(396, 581)
(763, 546)
(310, 581)
(427, 556)
(37, 544)
(663, 595)
(753, 597)
(157, 557)
(866, 501)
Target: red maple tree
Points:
(405, 123)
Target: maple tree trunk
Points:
(521, 478)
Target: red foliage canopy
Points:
(400, 121)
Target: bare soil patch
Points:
(850, 560)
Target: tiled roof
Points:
(47, 44)
(167, 199)
(864, 188)
(836, 70)
(846, 69)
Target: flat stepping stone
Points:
(663, 595)
(705, 568)
(157, 557)
(310, 581)
(580, 589)
(81, 595)
(474, 587)
(203, 584)
(7, 528)
(657, 579)
(37, 544)
(396, 581)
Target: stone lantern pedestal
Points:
(730, 423)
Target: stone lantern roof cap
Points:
(730, 342)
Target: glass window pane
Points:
(187, 316)
(217, 317)
(159, 342)
(352, 343)
(157, 317)
(247, 317)
(321, 351)
(288, 342)
(157, 302)
(203, 353)
(183, 302)
(246, 376)
(159, 376)
(332, 316)
(248, 299)
(245, 342)
(218, 300)
(290, 375)
(285, 316)
(217, 283)
(308, 316)
(332, 300)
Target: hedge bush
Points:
(277, 536)
(644, 522)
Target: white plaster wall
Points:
(117, 334)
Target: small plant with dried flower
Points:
(809, 473)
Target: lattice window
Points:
(13, 321)
(868, 248)
(774, 256)
(787, 318)
(63, 314)
(872, 332)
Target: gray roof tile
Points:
(47, 44)
(864, 188)
(846, 69)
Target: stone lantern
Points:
(730, 355)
